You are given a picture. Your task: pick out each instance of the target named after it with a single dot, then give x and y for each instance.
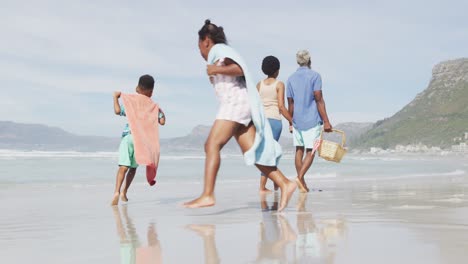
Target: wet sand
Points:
(399, 221)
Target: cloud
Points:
(68, 57)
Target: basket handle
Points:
(343, 136)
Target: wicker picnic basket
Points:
(330, 150)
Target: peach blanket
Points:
(142, 114)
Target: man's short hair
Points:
(303, 57)
(270, 65)
(146, 82)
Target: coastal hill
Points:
(41, 137)
(434, 118)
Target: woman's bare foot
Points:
(124, 197)
(301, 186)
(202, 201)
(115, 199)
(265, 191)
(286, 193)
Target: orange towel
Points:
(142, 114)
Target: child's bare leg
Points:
(263, 188)
(118, 184)
(221, 132)
(128, 180)
(245, 137)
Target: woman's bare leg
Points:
(245, 137)
(221, 132)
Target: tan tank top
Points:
(269, 95)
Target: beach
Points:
(371, 209)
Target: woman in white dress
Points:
(233, 119)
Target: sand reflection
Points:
(131, 249)
(312, 241)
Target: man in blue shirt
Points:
(307, 107)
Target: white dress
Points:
(233, 98)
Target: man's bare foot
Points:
(202, 230)
(115, 199)
(301, 186)
(265, 191)
(305, 185)
(286, 193)
(124, 197)
(202, 201)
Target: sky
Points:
(60, 61)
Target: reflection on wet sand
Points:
(308, 241)
(313, 243)
(276, 235)
(131, 250)
(317, 240)
(207, 232)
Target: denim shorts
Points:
(276, 127)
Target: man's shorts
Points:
(306, 138)
(127, 152)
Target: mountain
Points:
(433, 118)
(194, 142)
(41, 137)
(353, 132)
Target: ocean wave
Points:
(407, 176)
(194, 157)
(413, 207)
(15, 154)
(317, 176)
(360, 158)
(6, 154)
(336, 177)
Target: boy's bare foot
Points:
(265, 191)
(115, 199)
(286, 193)
(301, 186)
(202, 201)
(124, 197)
